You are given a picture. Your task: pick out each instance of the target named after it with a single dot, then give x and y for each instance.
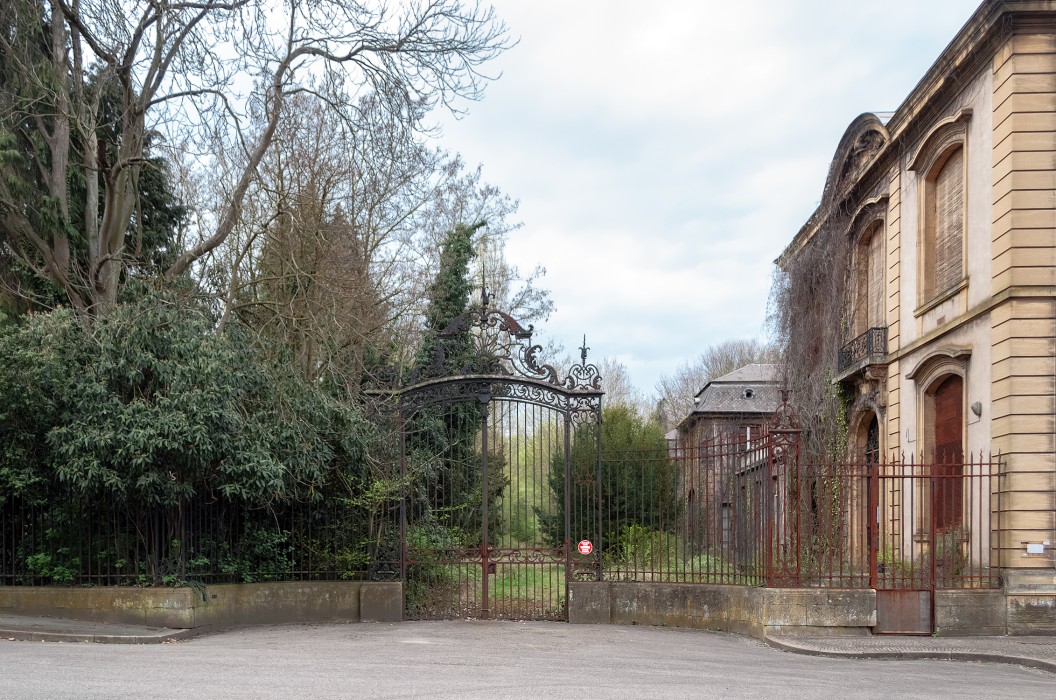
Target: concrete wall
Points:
(741, 609)
(216, 605)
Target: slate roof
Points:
(750, 389)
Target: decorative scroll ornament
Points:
(487, 343)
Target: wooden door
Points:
(947, 489)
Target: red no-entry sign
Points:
(585, 547)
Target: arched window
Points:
(943, 264)
(872, 441)
(869, 311)
(940, 165)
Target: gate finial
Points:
(784, 418)
(583, 349)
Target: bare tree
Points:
(462, 197)
(620, 389)
(338, 240)
(321, 257)
(675, 391)
(199, 72)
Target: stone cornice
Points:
(1002, 297)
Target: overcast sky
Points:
(665, 152)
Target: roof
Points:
(755, 372)
(753, 388)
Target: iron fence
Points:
(731, 511)
(72, 539)
(687, 515)
(939, 524)
(727, 511)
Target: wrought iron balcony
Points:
(868, 348)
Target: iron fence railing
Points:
(725, 511)
(690, 515)
(71, 539)
(871, 346)
(731, 512)
(939, 524)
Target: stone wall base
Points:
(1031, 595)
(742, 609)
(1027, 605)
(970, 613)
(214, 605)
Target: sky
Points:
(664, 153)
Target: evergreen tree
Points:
(637, 484)
(445, 438)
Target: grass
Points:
(515, 591)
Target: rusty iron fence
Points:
(734, 511)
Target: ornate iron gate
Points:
(485, 456)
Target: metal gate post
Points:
(568, 510)
(485, 556)
(932, 553)
(872, 519)
(404, 495)
(767, 525)
(597, 496)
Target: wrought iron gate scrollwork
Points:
(495, 548)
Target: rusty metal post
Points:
(932, 552)
(872, 514)
(597, 495)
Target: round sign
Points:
(585, 547)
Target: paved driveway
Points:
(483, 659)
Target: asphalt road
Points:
(484, 659)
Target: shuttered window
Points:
(944, 258)
(875, 317)
(870, 286)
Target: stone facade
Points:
(949, 204)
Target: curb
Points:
(21, 635)
(916, 654)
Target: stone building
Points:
(949, 206)
(736, 404)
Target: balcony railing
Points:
(870, 346)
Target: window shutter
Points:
(876, 278)
(949, 222)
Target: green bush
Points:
(147, 407)
(432, 583)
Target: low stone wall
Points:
(970, 613)
(214, 605)
(741, 609)
(1031, 595)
